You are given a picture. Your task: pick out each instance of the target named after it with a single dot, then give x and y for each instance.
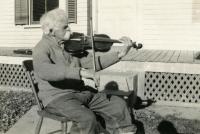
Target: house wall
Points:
(11, 35)
(115, 18)
(158, 24)
(28, 36)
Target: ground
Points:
(13, 105)
(154, 119)
(158, 119)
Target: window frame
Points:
(71, 12)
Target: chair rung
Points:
(52, 116)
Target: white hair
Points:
(52, 19)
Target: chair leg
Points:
(39, 124)
(132, 115)
(64, 127)
(131, 102)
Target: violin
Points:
(79, 43)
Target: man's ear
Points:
(51, 32)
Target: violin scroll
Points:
(137, 45)
(127, 41)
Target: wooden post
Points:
(141, 80)
(89, 16)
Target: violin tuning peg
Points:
(139, 45)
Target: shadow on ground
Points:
(157, 119)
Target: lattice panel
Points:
(158, 85)
(172, 87)
(13, 75)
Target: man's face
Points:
(62, 32)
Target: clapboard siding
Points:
(11, 35)
(116, 18)
(158, 24)
(19, 36)
(169, 25)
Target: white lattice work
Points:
(158, 85)
(172, 87)
(13, 75)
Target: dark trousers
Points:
(81, 108)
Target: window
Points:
(28, 12)
(39, 7)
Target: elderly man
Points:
(59, 75)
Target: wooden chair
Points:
(42, 112)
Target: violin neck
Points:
(85, 39)
(108, 40)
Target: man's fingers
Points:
(97, 80)
(87, 73)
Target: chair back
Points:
(28, 66)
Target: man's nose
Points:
(68, 30)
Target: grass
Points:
(13, 104)
(152, 123)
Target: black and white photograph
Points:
(100, 67)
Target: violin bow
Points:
(93, 43)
